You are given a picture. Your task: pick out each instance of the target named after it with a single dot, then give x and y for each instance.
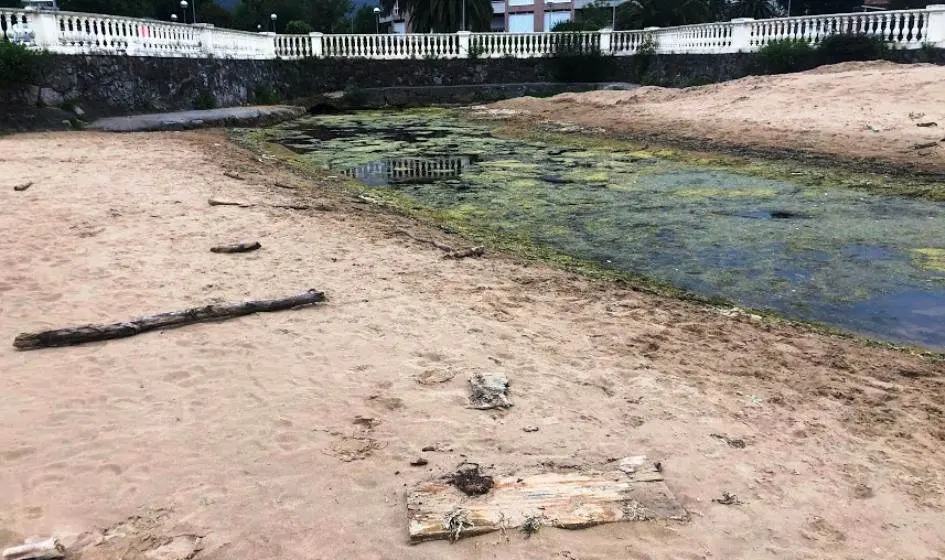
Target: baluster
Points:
(896, 28)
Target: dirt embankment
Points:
(863, 111)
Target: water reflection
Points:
(410, 170)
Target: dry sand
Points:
(247, 432)
(856, 111)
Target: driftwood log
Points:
(213, 312)
(23, 187)
(244, 247)
(233, 175)
(42, 550)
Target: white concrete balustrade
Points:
(75, 33)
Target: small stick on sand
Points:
(462, 254)
(243, 247)
(224, 202)
(451, 253)
(23, 187)
(42, 550)
(213, 312)
(233, 175)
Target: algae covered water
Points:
(808, 249)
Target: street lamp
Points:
(464, 15)
(183, 7)
(174, 18)
(377, 21)
(273, 17)
(259, 28)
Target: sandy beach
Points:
(289, 435)
(874, 112)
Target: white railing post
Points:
(464, 40)
(205, 37)
(605, 35)
(317, 49)
(741, 34)
(656, 38)
(45, 29)
(936, 14)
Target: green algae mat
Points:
(811, 246)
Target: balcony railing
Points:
(77, 33)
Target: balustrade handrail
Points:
(58, 32)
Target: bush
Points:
(266, 95)
(574, 26)
(578, 62)
(846, 48)
(298, 27)
(19, 66)
(205, 100)
(787, 55)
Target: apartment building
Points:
(514, 16)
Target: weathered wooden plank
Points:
(568, 501)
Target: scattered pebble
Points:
(419, 462)
(530, 428)
(429, 448)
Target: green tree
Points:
(758, 9)
(298, 27)
(364, 20)
(132, 8)
(444, 16)
(812, 7)
(326, 16)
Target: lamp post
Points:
(193, 6)
(174, 18)
(273, 17)
(464, 16)
(377, 21)
(259, 28)
(183, 7)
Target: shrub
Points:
(575, 61)
(19, 66)
(204, 100)
(298, 27)
(266, 95)
(845, 48)
(787, 55)
(574, 26)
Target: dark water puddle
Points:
(867, 263)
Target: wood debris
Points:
(41, 550)
(213, 312)
(22, 187)
(225, 202)
(438, 510)
(243, 247)
(234, 175)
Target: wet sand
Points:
(252, 434)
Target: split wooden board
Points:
(567, 501)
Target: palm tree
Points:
(443, 16)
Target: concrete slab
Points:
(185, 120)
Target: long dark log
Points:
(213, 312)
(243, 247)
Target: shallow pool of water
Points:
(868, 263)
